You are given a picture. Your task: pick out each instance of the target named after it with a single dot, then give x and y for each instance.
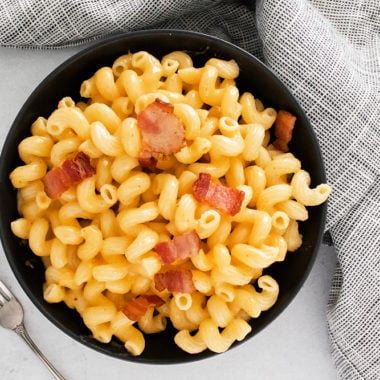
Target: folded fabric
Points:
(328, 54)
(52, 24)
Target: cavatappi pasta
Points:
(98, 238)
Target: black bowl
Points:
(65, 81)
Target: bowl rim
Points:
(156, 33)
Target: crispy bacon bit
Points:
(283, 129)
(181, 247)
(71, 172)
(56, 182)
(146, 160)
(162, 131)
(175, 281)
(78, 168)
(223, 198)
(135, 308)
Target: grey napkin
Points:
(328, 54)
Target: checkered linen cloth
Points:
(328, 54)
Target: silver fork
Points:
(12, 317)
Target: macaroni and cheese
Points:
(164, 222)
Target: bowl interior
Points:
(66, 80)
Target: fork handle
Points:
(21, 331)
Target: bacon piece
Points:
(56, 182)
(135, 308)
(181, 247)
(226, 199)
(175, 281)
(84, 163)
(283, 129)
(71, 172)
(78, 168)
(146, 160)
(162, 131)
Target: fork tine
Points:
(5, 292)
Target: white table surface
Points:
(294, 346)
